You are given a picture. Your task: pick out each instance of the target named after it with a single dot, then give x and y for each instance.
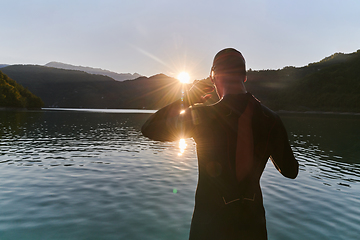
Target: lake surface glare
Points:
(92, 175)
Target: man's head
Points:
(228, 72)
(229, 61)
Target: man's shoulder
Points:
(203, 110)
(263, 111)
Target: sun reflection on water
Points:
(182, 146)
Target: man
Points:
(234, 139)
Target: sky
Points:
(169, 36)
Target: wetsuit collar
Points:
(236, 103)
(234, 97)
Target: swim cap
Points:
(229, 60)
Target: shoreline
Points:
(152, 111)
(319, 112)
(20, 109)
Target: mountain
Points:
(16, 96)
(332, 84)
(3, 65)
(74, 89)
(99, 71)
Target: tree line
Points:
(14, 95)
(332, 84)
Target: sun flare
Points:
(182, 146)
(184, 77)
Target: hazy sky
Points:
(169, 36)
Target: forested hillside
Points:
(332, 84)
(14, 95)
(77, 89)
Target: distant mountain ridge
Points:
(78, 89)
(332, 84)
(3, 65)
(98, 71)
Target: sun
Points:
(184, 77)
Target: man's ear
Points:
(212, 76)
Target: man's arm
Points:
(168, 124)
(281, 153)
(175, 120)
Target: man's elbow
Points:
(145, 131)
(149, 133)
(156, 134)
(293, 172)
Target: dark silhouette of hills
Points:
(14, 95)
(332, 84)
(74, 89)
(99, 71)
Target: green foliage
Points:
(76, 89)
(333, 84)
(13, 94)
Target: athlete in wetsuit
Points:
(234, 139)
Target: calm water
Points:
(87, 175)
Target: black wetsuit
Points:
(234, 139)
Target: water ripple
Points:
(93, 176)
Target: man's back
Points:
(234, 139)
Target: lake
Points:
(92, 175)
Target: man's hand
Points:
(198, 93)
